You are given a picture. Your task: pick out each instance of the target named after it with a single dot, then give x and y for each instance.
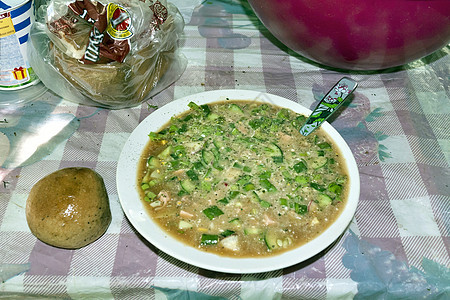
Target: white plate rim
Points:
(138, 217)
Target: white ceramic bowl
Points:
(134, 208)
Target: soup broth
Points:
(237, 179)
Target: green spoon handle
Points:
(329, 104)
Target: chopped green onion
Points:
(335, 188)
(265, 204)
(265, 175)
(267, 185)
(194, 106)
(237, 165)
(324, 145)
(317, 186)
(233, 194)
(212, 212)
(227, 233)
(300, 208)
(301, 179)
(209, 239)
(192, 175)
(249, 186)
(224, 201)
(300, 167)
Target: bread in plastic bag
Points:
(113, 54)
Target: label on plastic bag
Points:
(119, 22)
(160, 14)
(110, 33)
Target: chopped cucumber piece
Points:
(283, 114)
(270, 238)
(319, 162)
(178, 152)
(150, 195)
(216, 153)
(213, 116)
(147, 176)
(194, 147)
(217, 165)
(145, 186)
(165, 153)
(236, 222)
(255, 198)
(244, 179)
(153, 162)
(184, 225)
(156, 203)
(157, 174)
(188, 185)
(218, 144)
(206, 186)
(341, 179)
(207, 157)
(252, 231)
(275, 152)
(236, 109)
(324, 200)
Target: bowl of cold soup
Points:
(223, 180)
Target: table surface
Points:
(397, 126)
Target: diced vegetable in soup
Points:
(236, 178)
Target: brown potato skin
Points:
(69, 208)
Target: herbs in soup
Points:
(237, 178)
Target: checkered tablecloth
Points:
(398, 127)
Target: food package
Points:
(113, 53)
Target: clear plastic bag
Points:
(113, 54)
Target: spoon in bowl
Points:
(329, 104)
